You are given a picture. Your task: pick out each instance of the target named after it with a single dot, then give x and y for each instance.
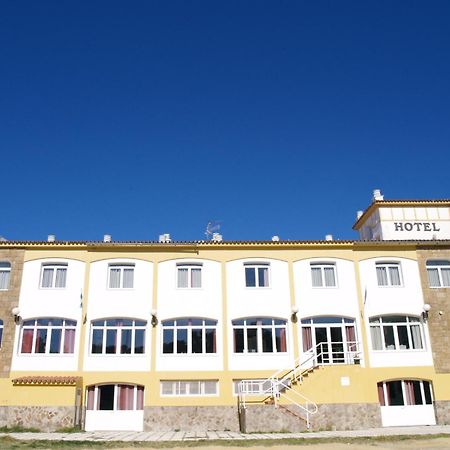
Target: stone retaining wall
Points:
(442, 409)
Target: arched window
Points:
(404, 392)
(118, 336)
(189, 336)
(5, 274)
(115, 397)
(396, 333)
(438, 273)
(259, 335)
(48, 336)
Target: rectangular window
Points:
(189, 275)
(189, 388)
(53, 276)
(388, 274)
(121, 276)
(256, 275)
(323, 275)
(438, 273)
(5, 274)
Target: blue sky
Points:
(140, 118)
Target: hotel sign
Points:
(416, 226)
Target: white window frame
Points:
(322, 266)
(387, 265)
(55, 268)
(437, 265)
(256, 266)
(121, 267)
(68, 324)
(118, 329)
(408, 324)
(116, 396)
(183, 388)
(189, 327)
(422, 392)
(5, 270)
(190, 267)
(259, 335)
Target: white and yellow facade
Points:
(157, 336)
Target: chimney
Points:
(217, 237)
(51, 238)
(275, 238)
(328, 237)
(107, 238)
(377, 194)
(164, 238)
(359, 214)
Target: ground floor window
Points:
(404, 392)
(189, 387)
(253, 386)
(115, 397)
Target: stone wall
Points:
(341, 416)
(44, 418)
(9, 299)
(191, 418)
(442, 412)
(439, 315)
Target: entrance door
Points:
(331, 348)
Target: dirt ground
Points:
(420, 444)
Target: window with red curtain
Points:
(307, 338)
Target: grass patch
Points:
(75, 429)
(19, 429)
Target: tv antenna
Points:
(213, 226)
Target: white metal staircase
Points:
(280, 385)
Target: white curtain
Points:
(182, 277)
(114, 277)
(416, 336)
(382, 276)
(128, 278)
(47, 278)
(61, 274)
(4, 279)
(375, 334)
(395, 276)
(445, 277)
(316, 275)
(196, 278)
(330, 279)
(433, 277)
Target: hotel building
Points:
(218, 335)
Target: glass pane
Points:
(280, 339)
(196, 278)
(139, 341)
(128, 278)
(267, 340)
(167, 387)
(4, 279)
(47, 278)
(194, 387)
(330, 279)
(427, 392)
(55, 341)
(316, 276)
(210, 336)
(416, 337)
(238, 340)
(182, 345)
(433, 277)
(210, 387)
(140, 323)
(41, 340)
(375, 334)
(27, 341)
(125, 346)
(60, 281)
(197, 322)
(382, 276)
(250, 279)
(395, 276)
(263, 276)
(395, 394)
(417, 393)
(111, 341)
(445, 273)
(252, 342)
(97, 341)
(182, 278)
(168, 341)
(197, 341)
(403, 337)
(114, 278)
(106, 397)
(389, 337)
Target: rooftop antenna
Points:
(213, 226)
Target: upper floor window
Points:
(404, 392)
(118, 336)
(1, 331)
(48, 336)
(388, 274)
(189, 387)
(189, 336)
(323, 275)
(259, 335)
(256, 274)
(121, 276)
(115, 397)
(396, 333)
(438, 273)
(189, 275)
(54, 276)
(5, 274)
